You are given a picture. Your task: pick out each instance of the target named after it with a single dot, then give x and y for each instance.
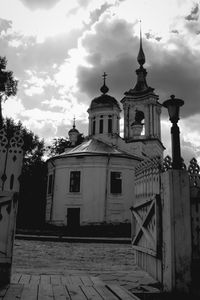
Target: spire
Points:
(104, 89)
(74, 122)
(141, 85)
(141, 56)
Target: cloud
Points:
(39, 4)
(5, 25)
(194, 15)
(170, 64)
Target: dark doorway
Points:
(73, 219)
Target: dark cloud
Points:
(175, 31)
(5, 25)
(194, 15)
(193, 27)
(149, 35)
(95, 14)
(36, 57)
(113, 48)
(39, 4)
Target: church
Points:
(93, 183)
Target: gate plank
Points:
(86, 280)
(75, 292)
(24, 279)
(55, 280)
(60, 293)
(76, 280)
(45, 279)
(121, 293)
(14, 292)
(91, 293)
(15, 278)
(30, 292)
(45, 292)
(105, 293)
(65, 280)
(96, 280)
(35, 279)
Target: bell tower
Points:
(141, 108)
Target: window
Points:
(109, 124)
(93, 125)
(116, 182)
(75, 181)
(50, 184)
(101, 124)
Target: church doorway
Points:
(73, 218)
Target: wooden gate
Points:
(146, 221)
(11, 156)
(166, 223)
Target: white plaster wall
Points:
(92, 198)
(119, 204)
(94, 183)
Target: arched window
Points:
(109, 124)
(101, 124)
(93, 125)
(138, 126)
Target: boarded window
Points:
(116, 182)
(50, 184)
(75, 181)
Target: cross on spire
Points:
(104, 77)
(104, 89)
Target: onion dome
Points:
(73, 134)
(73, 129)
(104, 100)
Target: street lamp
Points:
(173, 105)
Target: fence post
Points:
(177, 246)
(11, 156)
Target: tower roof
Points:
(104, 100)
(73, 129)
(141, 86)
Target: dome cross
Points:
(104, 89)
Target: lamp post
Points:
(173, 105)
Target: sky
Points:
(58, 51)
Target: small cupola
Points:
(104, 113)
(73, 134)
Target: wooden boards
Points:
(58, 287)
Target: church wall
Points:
(96, 203)
(94, 183)
(119, 204)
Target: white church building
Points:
(93, 183)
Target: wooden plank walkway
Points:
(57, 287)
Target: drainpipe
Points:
(106, 190)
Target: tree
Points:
(60, 144)
(8, 85)
(32, 195)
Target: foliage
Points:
(33, 178)
(8, 85)
(60, 144)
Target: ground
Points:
(111, 262)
